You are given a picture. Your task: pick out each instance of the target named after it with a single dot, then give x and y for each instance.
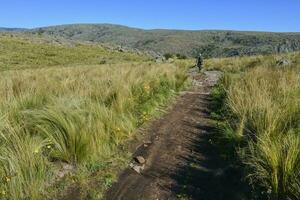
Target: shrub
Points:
(180, 56)
(168, 56)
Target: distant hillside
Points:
(19, 51)
(211, 43)
(3, 29)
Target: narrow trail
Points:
(181, 162)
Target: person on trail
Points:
(200, 62)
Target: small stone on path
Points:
(140, 159)
(137, 168)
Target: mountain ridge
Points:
(212, 43)
(146, 29)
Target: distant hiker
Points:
(200, 62)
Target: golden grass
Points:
(20, 52)
(265, 101)
(240, 64)
(77, 115)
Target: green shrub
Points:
(168, 56)
(180, 56)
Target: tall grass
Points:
(77, 115)
(265, 104)
(22, 166)
(244, 63)
(275, 164)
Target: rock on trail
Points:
(180, 161)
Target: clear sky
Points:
(259, 15)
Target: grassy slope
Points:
(75, 117)
(262, 117)
(21, 51)
(210, 43)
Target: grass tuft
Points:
(262, 102)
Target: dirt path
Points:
(181, 162)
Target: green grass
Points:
(211, 43)
(244, 63)
(75, 115)
(21, 51)
(59, 106)
(262, 100)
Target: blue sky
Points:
(258, 15)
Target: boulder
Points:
(158, 60)
(283, 62)
(171, 60)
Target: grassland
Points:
(211, 43)
(67, 109)
(19, 51)
(64, 117)
(259, 102)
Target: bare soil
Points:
(181, 161)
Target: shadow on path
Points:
(206, 175)
(181, 160)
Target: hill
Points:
(19, 51)
(3, 29)
(212, 43)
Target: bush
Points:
(182, 57)
(168, 56)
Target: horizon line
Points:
(145, 29)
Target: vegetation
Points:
(67, 108)
(168, 56)
(210, 43)
(65, 126)
(262, 113)
(21, 51)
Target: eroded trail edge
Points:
(181, 162)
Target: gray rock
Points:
(68, 167)
(171, 60)
(64, 170)
(137, 168)
(60, 174)
(147, 142)
(140, 159)
(159, 60)
(146, 145)
(283, 62)
(219, 172)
